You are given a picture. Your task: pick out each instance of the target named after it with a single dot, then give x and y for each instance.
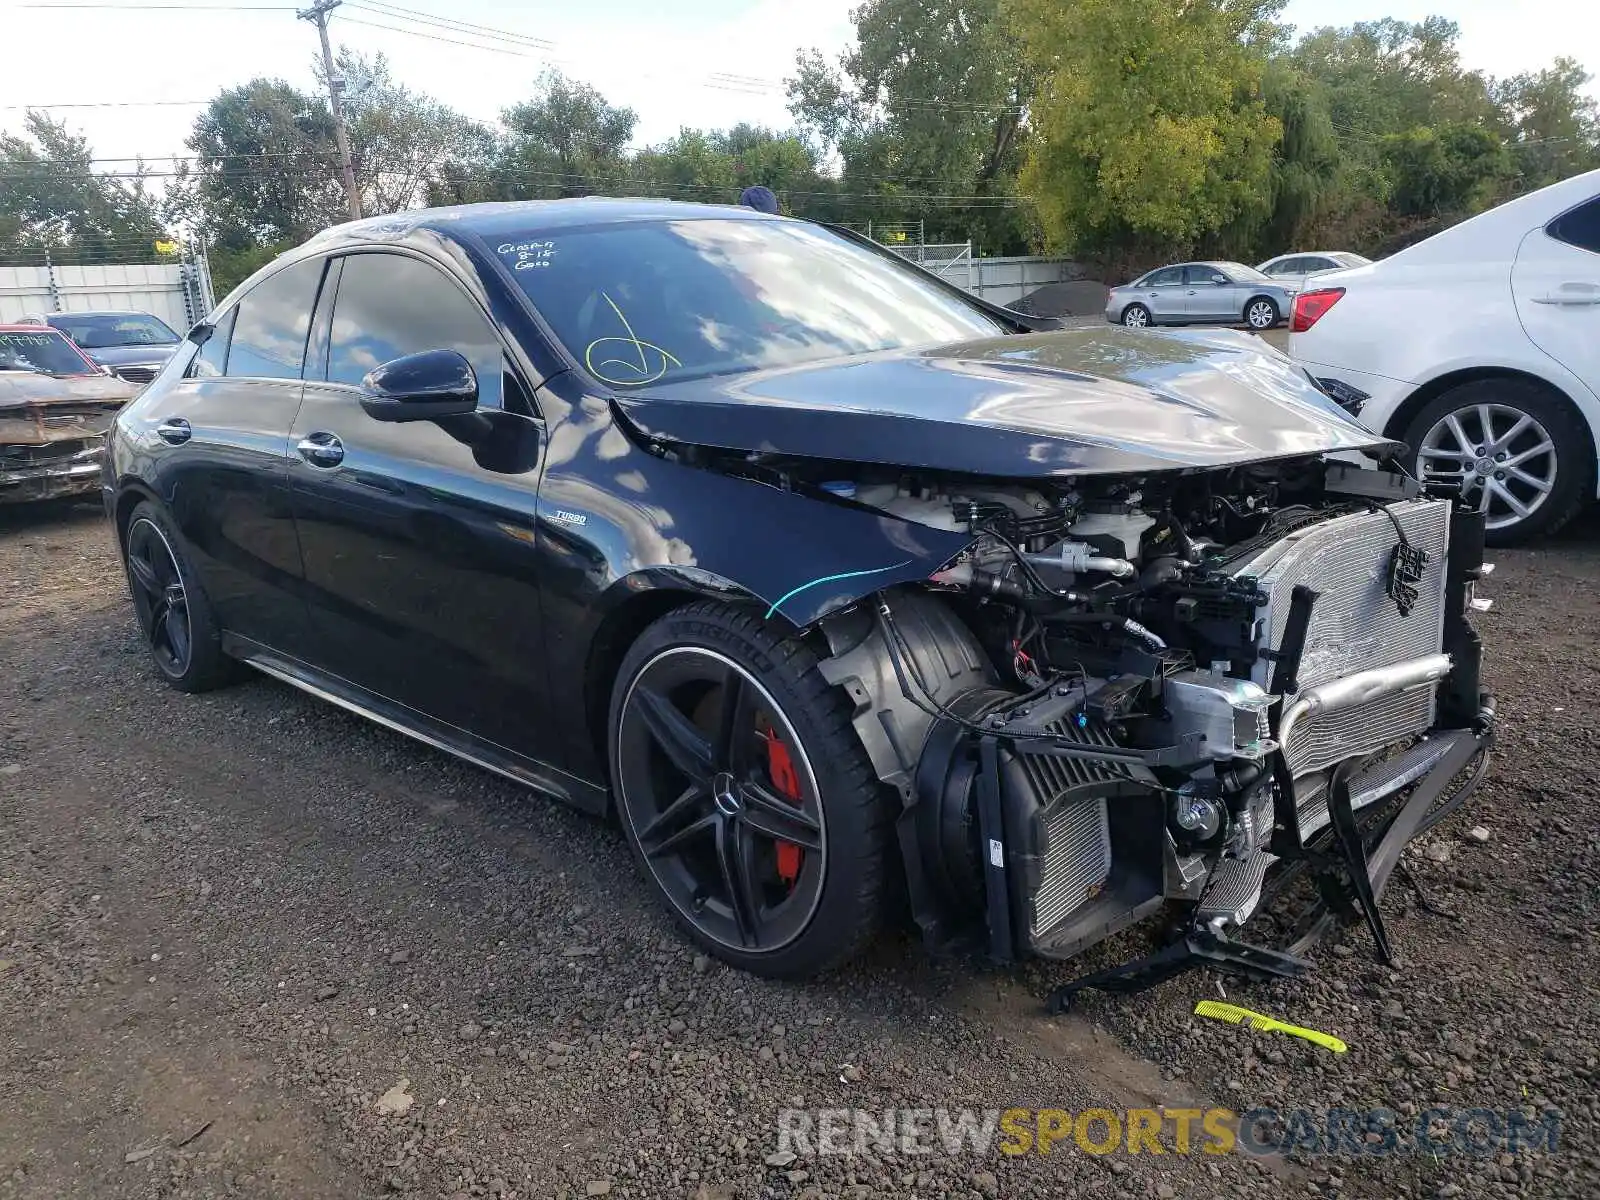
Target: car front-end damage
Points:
(52, 433)
(1185, 661)
(1194, 691)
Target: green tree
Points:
(405, 144)
(1150, 129)
(1552, 124)
(568, 140)
(929, 103)
(265, 168)
(1445, 171)
(52, 198)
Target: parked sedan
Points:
(1191, 293)
(132, 345)
(848, 592)
(1292, 270)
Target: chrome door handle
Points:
(321, 449)
(175, 431)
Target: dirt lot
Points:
(229, 924)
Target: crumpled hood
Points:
(1084, 401)
(20, 389)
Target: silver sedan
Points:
(1211, 292)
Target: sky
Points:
(670, 60)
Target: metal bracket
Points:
(1199, 948)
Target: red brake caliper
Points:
(780, 768)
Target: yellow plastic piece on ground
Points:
(1238, 1016)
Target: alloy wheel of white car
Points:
(1493, 450)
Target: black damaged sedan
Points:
(847, 593)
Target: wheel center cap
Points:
(1484, 466)
(725, 795)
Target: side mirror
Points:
(420, 387)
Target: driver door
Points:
(418, 537)
(1208, 299)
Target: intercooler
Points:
(1355, 624)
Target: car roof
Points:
(527, 217)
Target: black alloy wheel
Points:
(174, 615)
(739, 853)
(746, 794)
(159, 597)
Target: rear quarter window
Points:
(1579, 227)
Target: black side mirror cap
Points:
(420, 387)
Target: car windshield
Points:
(100, 331)
(40, 353)
(1238, 272)
(667, 301)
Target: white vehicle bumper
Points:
(1383, 395)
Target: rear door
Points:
(419, 537)
(218, 441)
(1556, 283)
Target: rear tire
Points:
(1137, 316)
(1261, 313)
(695, 786)
(1567, 466)
(174, 615)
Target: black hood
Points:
(1077, 402)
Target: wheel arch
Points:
(128, 497)
(1406, 411)
(640, 601)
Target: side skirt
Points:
(470, 748)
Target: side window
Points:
(1200, 273)
(269, 330)
(1166, 277)
(1580, 227)
(1281, 268)
(1318, 264)
(213, 357)
(389, 305)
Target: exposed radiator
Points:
(1355, 625)
(1077, 862)
(1077, 852)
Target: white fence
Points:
(179, 293)
(1003, 280)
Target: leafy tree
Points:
(52, 198)
(1554, 127)
(265, 170)
(1150, 127)
(566, 141)
(930, 102)
(1448, 170)
(402, 142)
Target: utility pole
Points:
(318, 13)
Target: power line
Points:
(435, 38)
(169, 7)
(115, 104)
(395, 11)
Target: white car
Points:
(1295, 269)
(1480, 349)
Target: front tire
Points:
(745, 793)
(1136, 316)
(1514, 441)
(1261, 313)
(174, 615)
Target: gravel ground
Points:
(231, 925)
